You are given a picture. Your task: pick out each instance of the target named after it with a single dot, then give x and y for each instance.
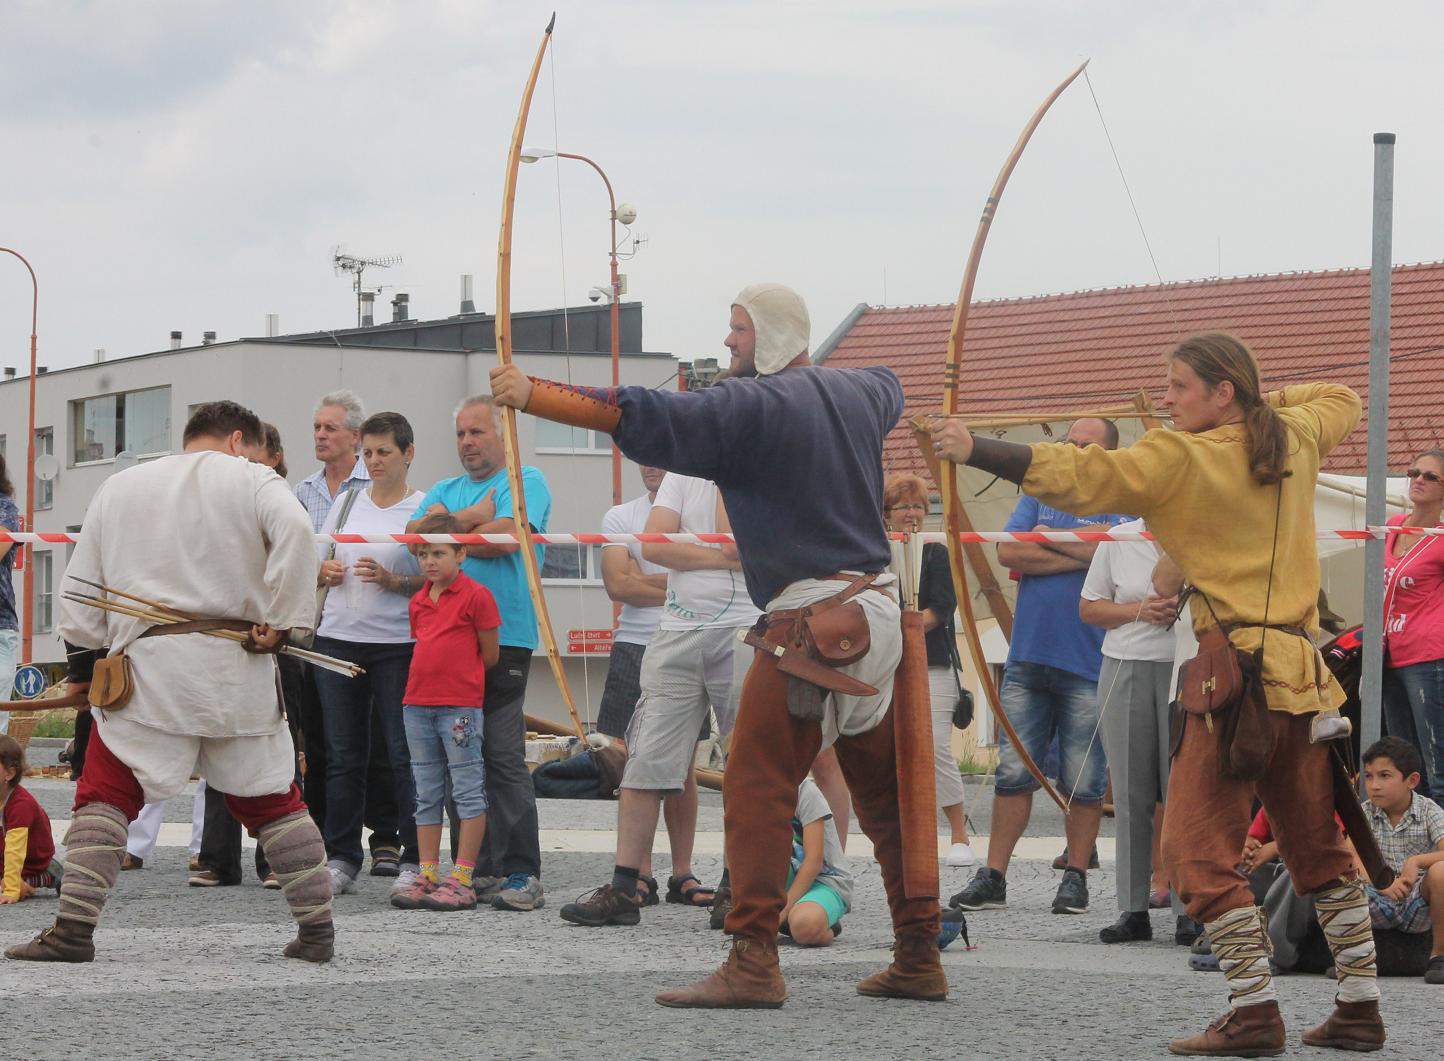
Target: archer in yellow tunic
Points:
(1213, 491)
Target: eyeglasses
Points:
(908, 505)
(1428, 477)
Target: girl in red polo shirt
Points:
(27, 859)
(454, 621)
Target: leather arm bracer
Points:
(1006, 460)
(569, 405)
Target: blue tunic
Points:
(797, 456)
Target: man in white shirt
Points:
(243, 555)
(1134, 691)
(691, 664)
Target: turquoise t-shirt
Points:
(505, 576)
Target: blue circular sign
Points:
(29, 682)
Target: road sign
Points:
(29, 682)
(589, 642)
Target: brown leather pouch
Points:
(838, 636)
(112, 684)
(1212, 681)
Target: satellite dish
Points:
(125, 459)
(47, 467)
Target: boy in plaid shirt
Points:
(1410, 832)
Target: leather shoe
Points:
(1352, 1026)
(314, 942)
(1248, 1031)
(65, 941)
(916, 972)
(749, 979)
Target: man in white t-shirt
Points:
(1134, 691)
(690, 665)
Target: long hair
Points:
(7, 488)
(1218, 356)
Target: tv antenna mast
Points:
(356, 265)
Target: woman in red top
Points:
(1414, 623)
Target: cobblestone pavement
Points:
(197, 973)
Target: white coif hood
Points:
(779, 316)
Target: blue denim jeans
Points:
(9, 653)
(346, 705)
(446, 740)
(1414, 711)
(1044, 703)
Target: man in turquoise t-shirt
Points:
(508, 873)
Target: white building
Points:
(87, 414)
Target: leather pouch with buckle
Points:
(1223, 687)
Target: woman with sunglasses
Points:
(1414, 623)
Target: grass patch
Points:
(61, 724)
(969, 765)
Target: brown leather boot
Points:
(65, 941)
(915, 973)
(314, 942)
(749, 979)
(1352, 1026)
(1248, 1031)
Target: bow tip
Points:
(553, 22)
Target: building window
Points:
(136, 421)
(2, 447)
(552, 437)
(571, 563)
(44, 598)
(44, 488)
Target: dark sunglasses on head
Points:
(1428, 477)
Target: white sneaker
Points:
(343, 880)
(406, 878)
(961, 856)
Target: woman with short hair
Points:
(905, 503)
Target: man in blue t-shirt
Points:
(508, 874)
(1050, 693)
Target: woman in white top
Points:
(1134, 693)
(365, 619)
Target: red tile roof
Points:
(1088, 348)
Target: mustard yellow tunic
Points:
(1217, 524)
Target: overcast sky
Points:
(191, 165)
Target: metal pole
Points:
(1380, 277)
(27, 583)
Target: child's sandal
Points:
(700, 895)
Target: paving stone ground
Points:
(187, 972)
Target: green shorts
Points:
(826, 898)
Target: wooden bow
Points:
(508, 415)
(954, 517)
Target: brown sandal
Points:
(700, 895)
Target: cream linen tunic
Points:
(213, 535)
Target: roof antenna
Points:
(356, 265)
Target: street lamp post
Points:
(27, 623)
(534, 154)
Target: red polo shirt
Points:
(446, 668)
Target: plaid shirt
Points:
(1418, 833)
(316, 496)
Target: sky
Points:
(191, 165)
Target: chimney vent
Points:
(400, 307)
(175, 340)
(273, 325)
(207, 338)
(368, 309)
(467, 305)
(99, 354)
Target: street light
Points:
(28, 582)
(536, 154)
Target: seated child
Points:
(819, 887)
(455, 622)
(1410, 832)
(28, 855)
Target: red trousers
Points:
(771, 753)
(1207, 817)
(106, 779)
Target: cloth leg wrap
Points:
(1241, 945)
(94, 848)
(1343, 912)
(297, 855)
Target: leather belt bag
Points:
(113, 684)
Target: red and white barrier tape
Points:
(582, 538)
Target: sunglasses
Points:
(1428, 477)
